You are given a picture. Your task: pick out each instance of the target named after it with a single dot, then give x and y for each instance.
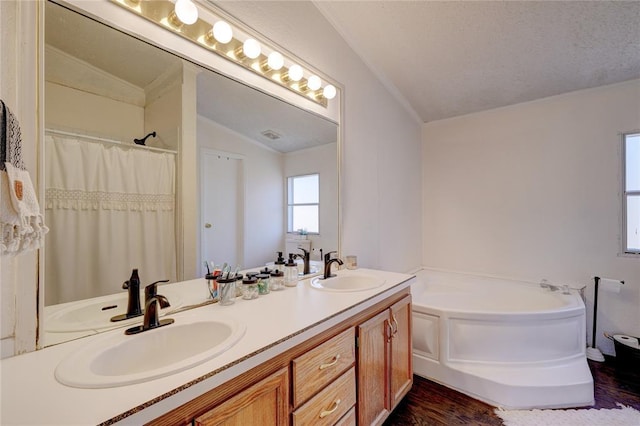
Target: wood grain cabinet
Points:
(328, 372)
(264, 403)
(385, 369)
(326, 380)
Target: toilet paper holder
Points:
(593, 353)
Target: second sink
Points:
(347, 281)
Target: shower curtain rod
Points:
(111, 141)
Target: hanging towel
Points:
(10, 139)
(21, 223)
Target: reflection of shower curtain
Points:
(109, 210)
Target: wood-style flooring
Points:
(429, 403)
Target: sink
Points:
(118, 360)
(96, 313)
(347, 281)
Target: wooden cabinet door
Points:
(265, 403)
(401, 350)
(373, 369)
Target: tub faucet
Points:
(327, 264)
(546, 284)
(306, 259)
(152, 300)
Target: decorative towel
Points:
(10, 139)
(21, 223)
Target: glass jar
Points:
(263, 283)
(291, 273)
(249, 288)
(226, 291)
(277, 280)
(238, 278)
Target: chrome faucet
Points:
(152, 300)
(306, 259)
(327, 264)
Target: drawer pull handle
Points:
(333, 408)
(330, 364)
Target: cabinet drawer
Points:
(330, 405)
(318, 367)
(348, 419)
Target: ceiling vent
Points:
(270, 134)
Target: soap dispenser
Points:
(133, 300)
(291, 272)
(279, 263)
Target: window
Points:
(631, 190)
(303, 194)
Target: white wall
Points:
(322, 160)
(263, 182)
(20, 89)
(532, 191)
(381, 180)
(70, 109)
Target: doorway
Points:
(222, 208)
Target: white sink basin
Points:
(96, 313)
(347, 281)
(119, 360)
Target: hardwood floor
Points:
(429, 403)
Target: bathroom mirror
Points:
(116, 206)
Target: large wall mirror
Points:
(113, 204)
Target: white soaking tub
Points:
(511, 344)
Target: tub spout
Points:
(546, 284)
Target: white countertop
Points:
(275, 322)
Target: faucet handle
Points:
(327, 256)
(151, 290)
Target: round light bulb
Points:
(314, 82)
(275, 61)
(186, 11)
(251, 48)
(329, 91)
(295, 72)
(222, 32)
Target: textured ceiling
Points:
(451, 58)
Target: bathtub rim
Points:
(569, 310)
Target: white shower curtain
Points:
(109, 210)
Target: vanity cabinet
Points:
(385, 370)
(354, 372)
(328, 372)
(264, 403)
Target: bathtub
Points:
(511, 344)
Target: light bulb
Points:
(275, 61)
(222, 32)
(329, 91)
(186, 11)
(295, 72)
(251, 48)
(314, 82)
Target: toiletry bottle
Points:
(291, 272)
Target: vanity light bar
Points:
(233, 44)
